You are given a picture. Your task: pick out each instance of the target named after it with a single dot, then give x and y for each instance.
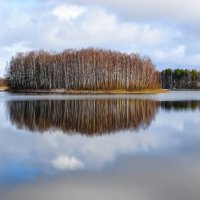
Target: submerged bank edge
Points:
(64, 91)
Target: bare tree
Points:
(85, 69)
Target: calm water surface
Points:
(143, 147)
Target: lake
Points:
(144, 147)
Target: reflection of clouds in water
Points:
(64, 162)
(161, 136)
(50, 153)
(95, 152)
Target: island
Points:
(83, 71)
(92, 71)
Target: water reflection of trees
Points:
(180, 105)
(89, 117)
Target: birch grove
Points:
(86, 69)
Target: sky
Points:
(167, 31)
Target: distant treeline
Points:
(180, 79)
(86, 69)
(180, 105)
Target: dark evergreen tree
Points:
(180, 79)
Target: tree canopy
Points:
(86, 69)
(180, 79)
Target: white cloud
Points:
(100, 28)
(64, 162)
(68, 12)
(111, 30)
(153, 28)
(173, 54)
(18, 46)
(178, 56)
(76, 26)
(8, 51)
(182, 11)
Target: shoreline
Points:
(4, 88)
(64, 91)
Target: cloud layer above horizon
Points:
(166, 31)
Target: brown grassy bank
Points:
(4, 88)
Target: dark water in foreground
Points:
(144, 147)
